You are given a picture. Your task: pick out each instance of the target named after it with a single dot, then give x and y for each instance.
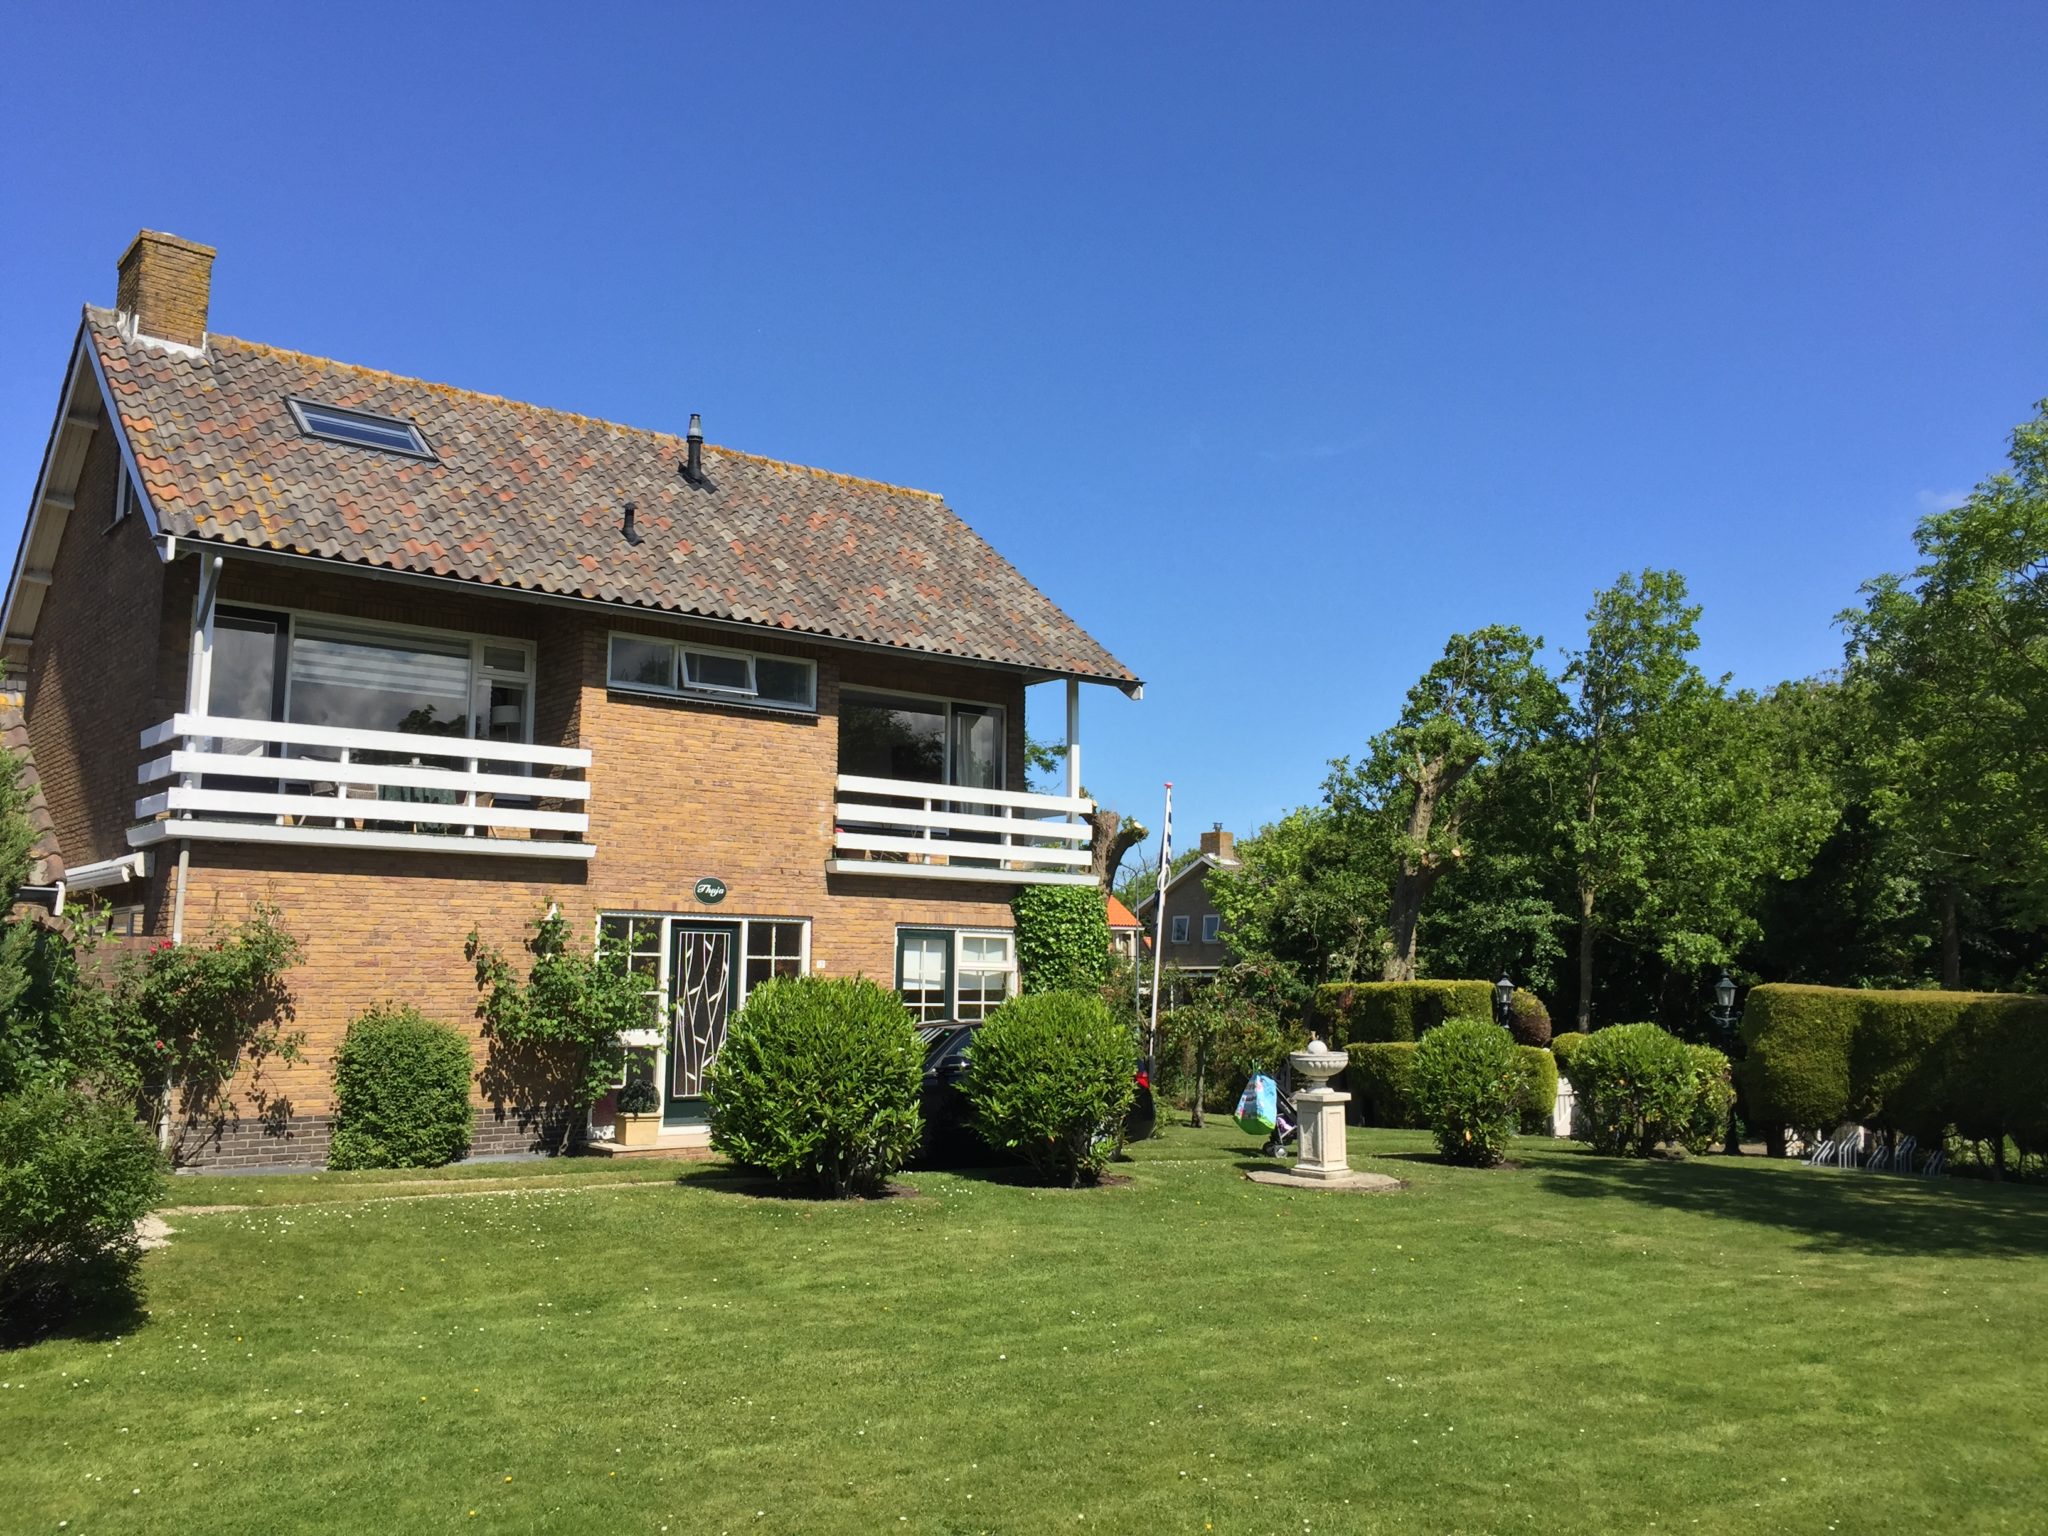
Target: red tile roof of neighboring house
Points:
(1120, 915)
(520, 497)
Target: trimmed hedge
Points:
(1538, 1102)
(401, 1092)
(1917, 1062)
(1062, 937)
(818, 1083)
(1562, 1046)
(1377, 1012)
(1379, 1082)
(1528, 1019)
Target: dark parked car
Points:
(950, 1139)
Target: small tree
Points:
(179, 1022)
(571, 1009)
(1225, 1038)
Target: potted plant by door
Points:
(639, 1120)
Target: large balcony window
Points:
(352, 731)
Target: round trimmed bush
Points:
(1528, 1019)
(76, 1174)
(401, 1092)
(1713, 1095)
(1635, 1086)
(818, 1084)
(1538, 1101)
(1049, 1077)
(1467, 1083)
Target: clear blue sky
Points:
(1274, 343)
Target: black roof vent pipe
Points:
(695, 439)
(632, 534)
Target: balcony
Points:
(266, 781)
(894, 827)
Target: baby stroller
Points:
(1266, 1108)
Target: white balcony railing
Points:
(267, 781)
(946, 831)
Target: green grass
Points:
(1574, 1345)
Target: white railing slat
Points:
(898, 816)
(902, 789)
(323, 770)
(871, 842)
(293, 734)
(334, 808)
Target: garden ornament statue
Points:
(1320, 1108)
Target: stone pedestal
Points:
(1322, 1133)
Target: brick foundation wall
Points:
(302, 1140)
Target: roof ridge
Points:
(550, 410)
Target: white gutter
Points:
(94, 877)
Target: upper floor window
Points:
(363, 429)
(1180, 930)
(1212, 926)
(647, 663)
(926, 741)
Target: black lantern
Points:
(1503, 994)
(1724, 993)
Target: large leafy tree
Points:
(1485, 700)
(1955, 656)
(1310, 893)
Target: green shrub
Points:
(1562, 1046)
(1538, 1099)
(1217, 1041)
(1919, 1062)
(1713, 1095)
(818, 1084)
(1528, 1019)
(1635, 1087)
(401, 1092)
(76, 1174)
(1050, 1077)
(1380, 1082)
(1373, 1012)
(1062, 937)
(1468, 1083)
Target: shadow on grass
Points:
(1867, 1213)
(108, 1307)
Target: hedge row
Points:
(1918, 1062)
(1377, 1012)
(1379, 1081)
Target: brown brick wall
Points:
(164, 284)
(94, 682)
(680, 790)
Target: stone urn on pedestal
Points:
(1321, 1110)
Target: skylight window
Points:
(364, 429)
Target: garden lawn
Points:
(1577, 1344)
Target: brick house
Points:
(405, 659)
(1194, 941)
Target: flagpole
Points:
(1159, 921)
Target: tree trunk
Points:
(1113, 838)
(1411, 889)
(1586, 936)
(1201, 1085)
(1951, 942)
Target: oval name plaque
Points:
(710, 890)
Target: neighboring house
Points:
(404, 659)
(1124, 930)
(1194, 939)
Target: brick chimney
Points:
(164, 287)
(1219, 843)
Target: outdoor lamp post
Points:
(1725, 1016)
(1503, 994)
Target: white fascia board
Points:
(121, 437)
(35, 506)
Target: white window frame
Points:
(957, 959)
(1179, 932)
(1000, 711)
(126, 499)
(748, 697)
(1212, 928)
(481, 676)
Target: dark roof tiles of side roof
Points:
(522, 497)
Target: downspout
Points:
(198, 690)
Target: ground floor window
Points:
(954, 973)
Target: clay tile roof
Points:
(1120, 915)
(531, 499)
(46, 867)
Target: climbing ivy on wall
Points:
(1062, 937)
